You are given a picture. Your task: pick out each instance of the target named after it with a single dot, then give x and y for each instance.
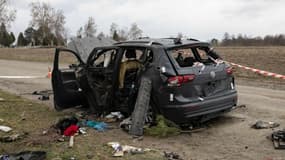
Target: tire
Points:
(141, 108)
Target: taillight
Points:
(178, 80)
(229, 70)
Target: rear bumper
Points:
(185, 113)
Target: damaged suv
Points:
(184, 80)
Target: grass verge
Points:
(26, 116)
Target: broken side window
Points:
(105, 59)
(67, 60)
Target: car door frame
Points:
(65, 96)
(101, 108)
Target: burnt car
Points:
(182, 79)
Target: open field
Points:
(265, 58)
(270, 59)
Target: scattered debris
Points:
(126, 124)
(71, 142)
(64, 123)
(120, 150)
(278, 139)
(82, 130)
(44, 95)
(265, 125)
(5, 128)
(1, 120)
(100, 126)
(172, 156)
(13, 137)
(71, 130)
(23, 117)
(115, 115)
(164, 128)
(241, 106)
(2, 99)
(25, 155)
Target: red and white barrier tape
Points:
(265, 73)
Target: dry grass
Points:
(270, 59)
(32, 54)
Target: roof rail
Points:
(192, 39)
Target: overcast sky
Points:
(201, 19)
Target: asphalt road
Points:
(227, 138)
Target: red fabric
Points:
(71, 130)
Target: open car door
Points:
(67, 92)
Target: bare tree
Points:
(134, 32)
(7, 15)
(79, 33)
(179, 35)
(90, 28)
(48, 21)
(113, 29)
(101, 35)
(58, 22)
(123, 34)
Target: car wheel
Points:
(141, 107)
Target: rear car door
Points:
(67, 66)
(102, 73)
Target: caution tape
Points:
(21, 77)
(264, 73)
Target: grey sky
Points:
(203, 19)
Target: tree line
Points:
(47, 27)
(244, 40)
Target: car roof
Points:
(164, 42)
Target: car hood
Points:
(84, 46)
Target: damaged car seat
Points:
(131, 64)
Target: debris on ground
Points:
(25, 155)
(64, 123)
(120, 150)
(100, 126)
(44, 95)
(71, 130)
(126, 124)
(264, 125)
(115, 115)
(13, 137)
(164, 128)
(278, 139)
(241, 106)
(71, 142)
(172, 156)
(2, 99)
(5, 128)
